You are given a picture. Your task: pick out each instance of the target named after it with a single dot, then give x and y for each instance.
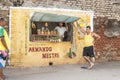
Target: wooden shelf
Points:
(43, 37)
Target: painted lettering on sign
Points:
(40, 49)
(50, 55)
(47, 52)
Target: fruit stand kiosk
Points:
(35, 42)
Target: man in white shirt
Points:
(61, 29)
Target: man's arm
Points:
(4, 43)
(66, 26)
(79, 28)
(82, 30)
(96, 36)
(2, 38)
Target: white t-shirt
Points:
(60, 30)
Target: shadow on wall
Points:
(113, 29)
(111, 26)
(108, 53)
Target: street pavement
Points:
(101, 71)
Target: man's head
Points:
(2, 22)
(88, 29)
(60, 24)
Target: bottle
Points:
(47, 30)
(42, 30)
(70, 53)
(38, 31)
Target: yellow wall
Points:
(21, 55)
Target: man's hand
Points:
(7, 51)
(96, 36)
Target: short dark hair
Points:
(2, 19)
(88, 27)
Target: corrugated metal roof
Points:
(48, 17)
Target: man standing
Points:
(3, 45)
(61, 30)
(88, 50)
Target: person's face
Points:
(60, 24)
(4, 23)
(88, 30)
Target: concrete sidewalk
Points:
(102, 71)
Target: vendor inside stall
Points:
(46, 27)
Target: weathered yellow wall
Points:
(20, 44)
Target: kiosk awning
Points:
(48, 17)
